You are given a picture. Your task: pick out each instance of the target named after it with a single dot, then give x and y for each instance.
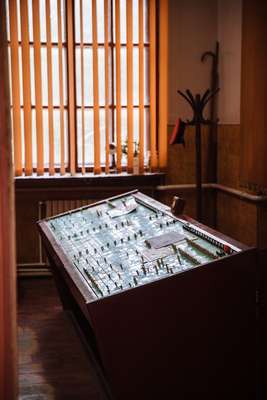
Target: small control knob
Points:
(178, 205)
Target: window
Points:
(83, 76)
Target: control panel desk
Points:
(167, 304)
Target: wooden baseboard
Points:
(35, 270)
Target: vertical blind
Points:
(86, 74)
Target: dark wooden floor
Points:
(53, 363)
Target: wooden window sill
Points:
(85, 186)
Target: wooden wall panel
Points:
(228, 155)
(262, 227)
(234, 217)
(237, 219)
(7, 234)
(26, 232)
(253, 169)
(181, 160)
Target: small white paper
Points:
(123, 208)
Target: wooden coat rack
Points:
(198, 103)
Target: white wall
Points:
(194, 27)
(192, 31)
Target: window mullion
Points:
(71, 86)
